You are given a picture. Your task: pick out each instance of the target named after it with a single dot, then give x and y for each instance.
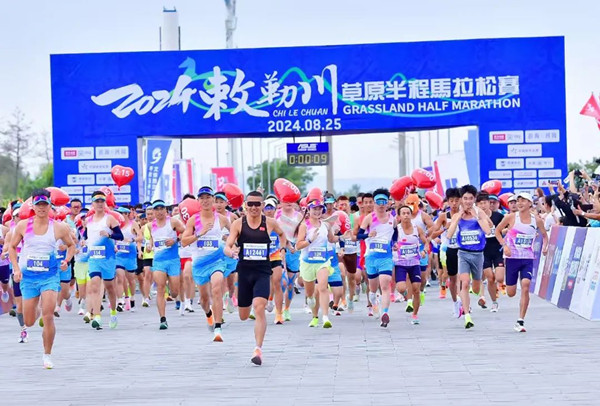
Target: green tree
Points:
(353, 191)
(7, 182)
(43, 180)
(589, 166)
(278, 168)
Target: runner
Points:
(350, 255)
(276, 257)
(127, 261)
(499, 274)
(313, 235)
(512, 204)
(37, 269)
(252, 233)
(288, 219)
(230, 281)
(147, 258)
(518, 251)
(204, 231)
(470, 226)
(165, 264)
(365, 203)
(187, 287)
(493, 263)
(408, 256)
(101, 232)
(378, 231)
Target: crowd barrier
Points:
(568, 275)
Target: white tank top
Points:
(381, 243)
(288, 225)
(418, 221)
(37, 249)
(94, 228)
(317, 250)
(209, 242)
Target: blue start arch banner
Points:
(512, 89)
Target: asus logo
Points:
(307, 147)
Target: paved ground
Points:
(355, 363)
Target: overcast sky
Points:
(32, 30)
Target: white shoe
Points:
(270, 306)
(69, 305)
(230, 307)
(5, 297)
(311, 302)
(48, 361)
(181, 309)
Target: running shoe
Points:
(326, 322)
(428, 283)
(13, 312)
(48, 361)
(286, 315)
(120, 307)
(163, 325)
(23, 338)
(182, 309)
(370, 311)
(443, 292)
(177, 305)
(113, 321)
(414, 319)
(41, 322)
(337, 312)
(481, 302)
(217, 336)
(5, 296)
(189, 307)
(520, 326)
(211, 322)
(494, 308)
(69, 305)
(409, 306)
(145, 303)
(296, 290)
(385, 320)
(468, 321)
(350, 306)
(230, 306)
(87, 318)
(270, 306)
(311, 302)
(256, 357)
(97, 323)
(57, 311)
(456, 310)
(252, 316)
(314, 322)
(127, 304)
(422, 297)
(278, 319)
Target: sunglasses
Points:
(41, 199)
(253, 204)
(381, 202)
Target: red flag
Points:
(592, 109)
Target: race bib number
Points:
(160, 245)
(469, 237)
(317, 254)
(492, 233)
(255, 252)
(208, 243)
(98, 252)
(408, 251)
(452, 241)
(123, 247)
(38, 263)
(351, 247)
(382, 247)
(524, 240)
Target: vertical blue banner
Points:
(156, 154)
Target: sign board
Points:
(308, 154)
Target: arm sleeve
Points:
(362, 234)
(395, 236)
(117, 234)
(85, 236)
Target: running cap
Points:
(270, 203)
(123, 210)
(221, 195)
(494, 197)
(158, 203)
(206, 190)
(98, 195)
(330, 200)
(526, 196)
(315, 203)
(513, 198)
(40, 199)
(379, 197)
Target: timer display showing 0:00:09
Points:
(308, 159)
(314, 124)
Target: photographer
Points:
(566, 202)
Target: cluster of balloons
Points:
(422, 179)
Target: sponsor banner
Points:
(582, 301)
(537, 252)
(557, 236)
(571, 269)
(156, 155)
(224, 175)
(560, 266)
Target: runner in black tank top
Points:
(251, 233)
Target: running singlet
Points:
(254, 248)
(470, 235)
(126, 247)
(160, 235)
(316, 252)
(408, 248)
(521, 237)
(451, 243)
(380, 246)
(99, 247)
(211, 241)
(38, 257)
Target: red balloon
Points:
(110, 197)
(504, 199)
(62, 212)
(401, 188)
(234, 195)
(26, 209)
(493, 187)
(58, 197)
(188, 208)
(343, 221)
(423, 179)
(90, 213)
(435, 201)
(122, 175)
(7, 216)
(286, 191)
(117, 216)
(304, 202)
(315, 194)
